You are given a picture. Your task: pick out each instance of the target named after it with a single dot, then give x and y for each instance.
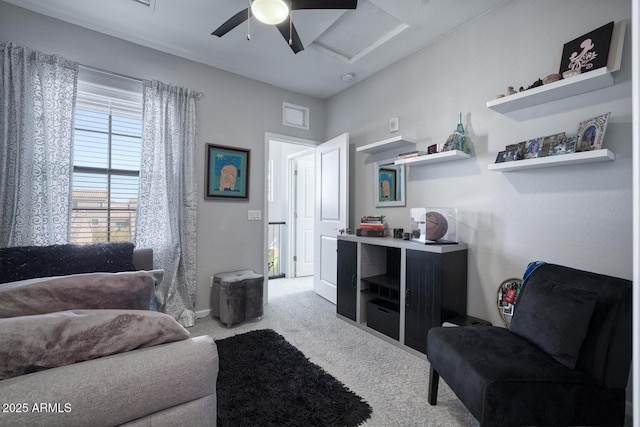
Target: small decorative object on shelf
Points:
(589, 51)
(372, 226)
(508, 292)
(570, 73)
(552, 78)
(434, 225)
(591, 133)
(457, 140)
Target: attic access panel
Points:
(358, 32)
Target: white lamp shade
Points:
(270, 12)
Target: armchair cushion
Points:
(556, 318)
(38, 342)
(126, 290)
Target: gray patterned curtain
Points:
(37, 101)
(166, 219)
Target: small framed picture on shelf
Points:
(591, 133)
(550, 142)
(519, 149)
(501, 157)
(533, 148)
(511, 154)
(566, 146)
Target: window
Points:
(106, 159)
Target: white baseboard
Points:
(203, 313)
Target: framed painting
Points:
(387, 178)
(227, 174)
(588, 52)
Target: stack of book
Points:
(411, 154)
(372, 226)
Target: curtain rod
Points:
(199, 95)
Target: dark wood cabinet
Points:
(347, 276)
(436, 290)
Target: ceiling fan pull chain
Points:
(290, 29)
(249, 21)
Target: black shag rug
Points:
(265, 381)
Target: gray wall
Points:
(234, 111)
(579, 216)
(576, 215)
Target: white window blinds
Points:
(106, 157)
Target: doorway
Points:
(289, 208)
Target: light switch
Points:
(255, 215)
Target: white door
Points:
(304, 214)
(332, 212)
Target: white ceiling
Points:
(362, 41)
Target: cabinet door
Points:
(422, 299)
(347, 276)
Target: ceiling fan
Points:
(276, 12)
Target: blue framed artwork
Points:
(387, 185)
(227, 173)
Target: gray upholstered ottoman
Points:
(237, 295)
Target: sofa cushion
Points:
(555, 317)
(27, 262)
(126, 290)
(35, 343)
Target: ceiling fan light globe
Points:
(271, 12)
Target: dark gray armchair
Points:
(564, 361)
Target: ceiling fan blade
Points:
(323, 4)
(231, 23)
(296, 43)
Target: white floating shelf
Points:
(582, 83)
(445, 156)
(388, 144)
(594, 156)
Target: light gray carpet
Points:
(390, 379)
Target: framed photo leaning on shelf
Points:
(591, 133)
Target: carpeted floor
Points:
(392, 381)
(265, 381)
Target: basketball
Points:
(436, 226)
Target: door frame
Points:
(292, 240)
(268, 137)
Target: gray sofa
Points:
(162, 385)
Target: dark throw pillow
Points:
(28, 262)
(556, 318)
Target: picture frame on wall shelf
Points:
(591, 133)
(566, 146)
(511, 153)
(551, 143)
(501, 157)
(533, 148)
(589, 51)
(519, 149)
(227, 174)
